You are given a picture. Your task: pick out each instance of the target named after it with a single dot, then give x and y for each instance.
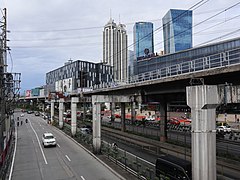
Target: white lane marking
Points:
(67, 157)
(82, 178)
(39, 143)
(58, 145)
(14, 154)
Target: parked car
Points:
(224, 128)
(89, 127)
(29, 112)
(37, 114)
(22, 115)
(150, 118)
(174, 121)
(85, 130)
(48, 139)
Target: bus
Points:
(173, 168)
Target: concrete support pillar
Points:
(96, 106)
(84, 111)
(163, 120)
(96, 127)
(43, 106)
(52, 110)
(112, 111)
(123, 127)
(133, 114)
(203, 101)
(74, 102)
(61, 109)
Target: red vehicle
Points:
(174, 121)
(117, 116)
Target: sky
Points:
(46, 34)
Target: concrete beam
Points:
(106, 98)
(229, 94)
(96, 104)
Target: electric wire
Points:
(195, 6)
(196, 24)
(220, 37)
(205, 20)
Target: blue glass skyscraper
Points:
(177, 30)
(143, 38)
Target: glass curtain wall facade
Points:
(143, 38)
(78, 75)
(159, 62)
(130, 63)
(177, 30)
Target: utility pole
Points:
(9, 91)
(3, 69)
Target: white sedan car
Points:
(224, 129)
(48, 140)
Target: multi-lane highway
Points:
(67, 160)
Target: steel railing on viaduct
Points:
(223, 59)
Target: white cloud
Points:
(35, 53)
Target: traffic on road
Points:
(68, 160)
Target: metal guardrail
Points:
(134, 164)
(223, 59)
(130, 162)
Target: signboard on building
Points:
(65, 85)
(28, 93)
(41, 92)
(79, 90)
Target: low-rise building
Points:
(78, 76)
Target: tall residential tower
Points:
(177, 30)
(115, 49)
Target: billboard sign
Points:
(28, 93)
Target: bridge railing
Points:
(222, 59)
(130, 162)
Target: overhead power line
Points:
(100, 27)
(205, 20)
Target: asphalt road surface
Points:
(66, 161)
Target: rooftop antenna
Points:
(110, 13)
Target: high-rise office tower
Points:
(115, 49)
(177, 30)
(130, 63)
(143, 39)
